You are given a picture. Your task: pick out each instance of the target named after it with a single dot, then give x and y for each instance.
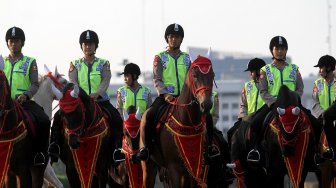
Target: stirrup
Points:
(330, 150)
(117, 155)
(54, 145)
(141, 154)
(253, 160)
(216, 152)
(39, 163)
(318, 159)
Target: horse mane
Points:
(286, 97)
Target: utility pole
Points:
(329, 27)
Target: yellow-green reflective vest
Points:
(253, 98)
(18, 75)
(214, 94)
(326, 92)
(174, 71)
(276, 78)
(137, 99)
(90, 82)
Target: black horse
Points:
(86, 146)
(288, 143)
(16, 134)
(247, 174)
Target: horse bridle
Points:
(204, 68)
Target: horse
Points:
(288, 141)
(129, 172)
(16, 134)
(85, 138)
(219, 174)
(248, 175)
(45, 97)
(181, 143)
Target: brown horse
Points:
(85, 148)
(129, 172)
(16, 142)
(182, 142)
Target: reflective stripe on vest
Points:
(18, 75)
(137, 99)
(277, 78)
(90, 82)
(253, 98)
(325, 92)
(174, 71)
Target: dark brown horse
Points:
(16, 142)
(182, 142)
(85, 148)
(288, 143)
(129, 172)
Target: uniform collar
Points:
(14, 61)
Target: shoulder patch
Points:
(34, 68)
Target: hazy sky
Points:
(134, 29)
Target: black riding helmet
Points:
(255, 64)
(132, 69)
(174, 29)
(89, 36)
(328, 62)
(278, 41)
(15, 33)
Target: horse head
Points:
(290, 116)
(200, 79)
(75, 108)
(132, 119)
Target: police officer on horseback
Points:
(169, 71)
(324, 101)
(250, 99)
(272, 77)
(22, 74)
(93, 75)
(133, 93)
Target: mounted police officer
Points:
(21, 72)
(324, 100)
(169, 71)
(93, 75)
(133, 93)
(272, 77)
(250, 99)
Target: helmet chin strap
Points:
(278, 59)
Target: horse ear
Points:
(209, 54)
(56, 92)
(56, 72)
(138, 114)
(46, 69)
(281, 111)
(296, 111)
(125, 115)
(75, 92)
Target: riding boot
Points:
(54, 148)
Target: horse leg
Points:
(73, 176)
(37, 174)
(148, 173)
(179, 177)
(11, 180)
